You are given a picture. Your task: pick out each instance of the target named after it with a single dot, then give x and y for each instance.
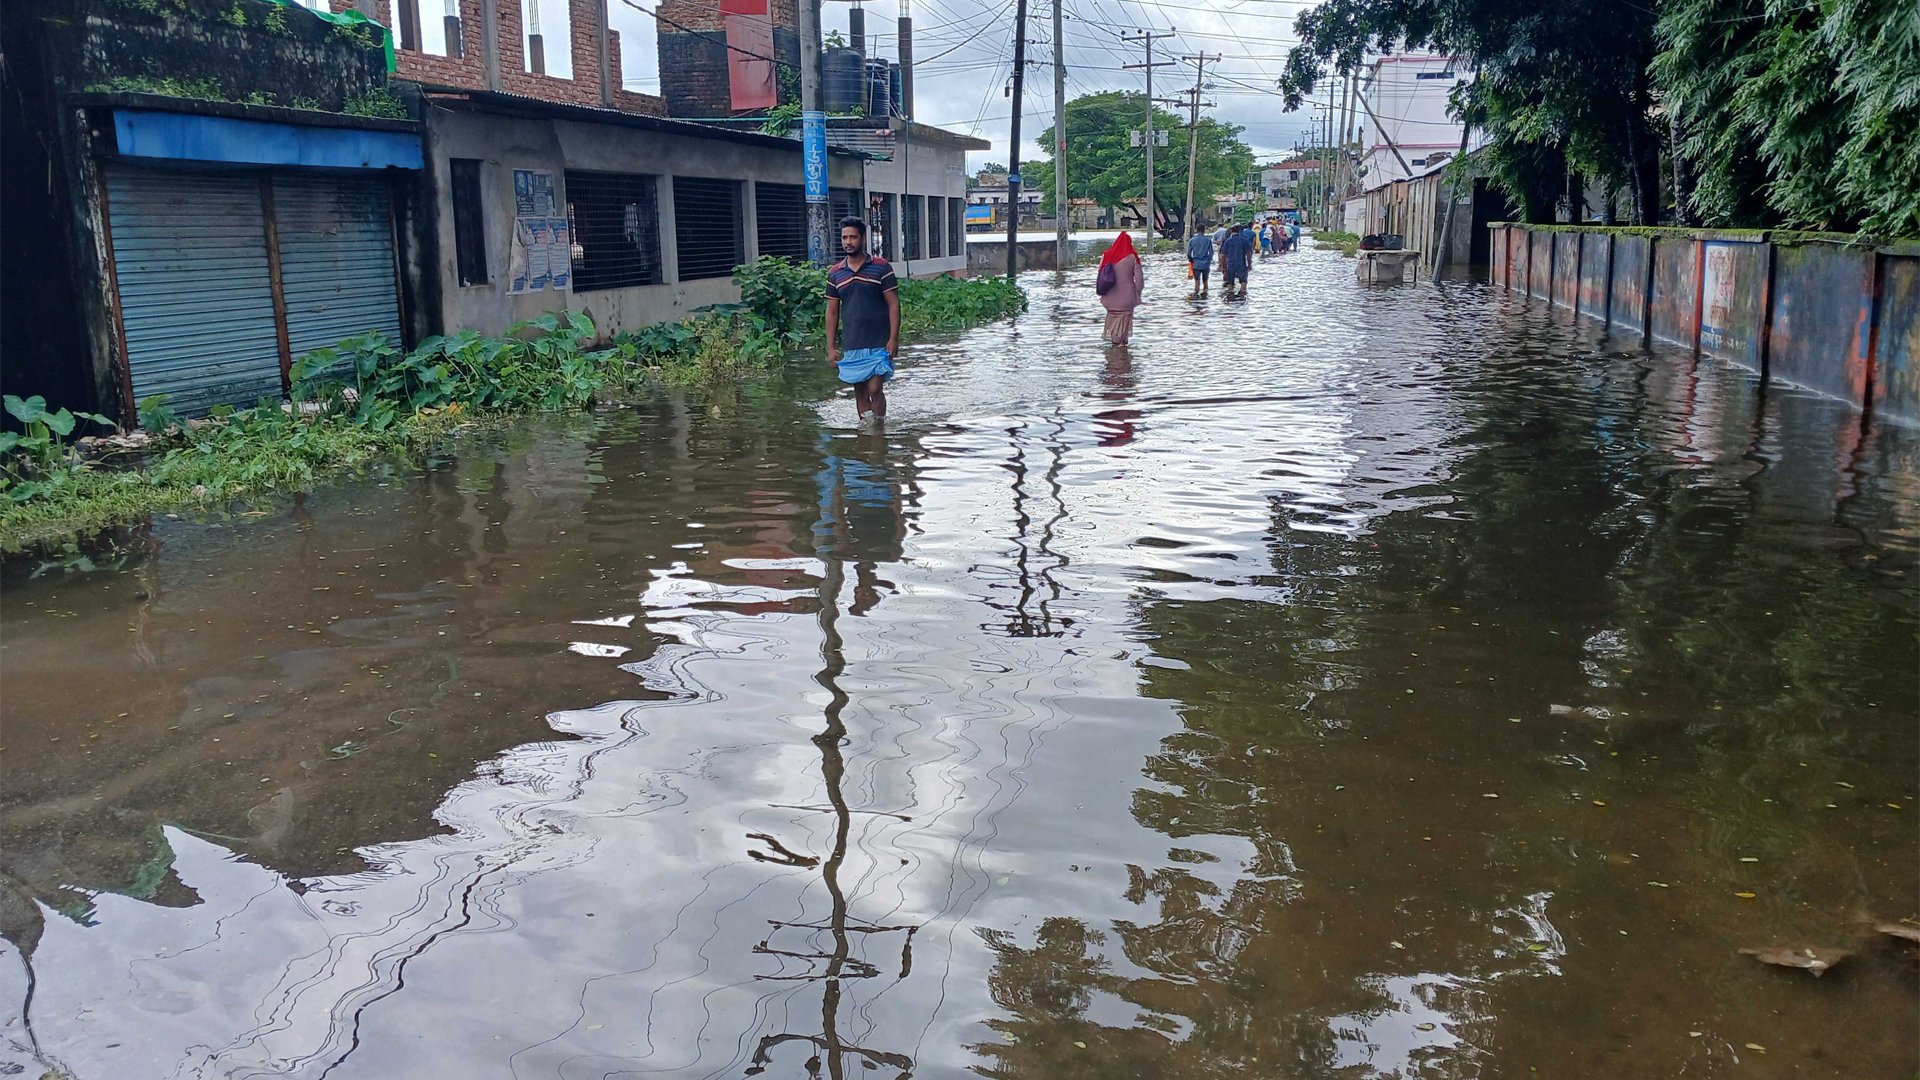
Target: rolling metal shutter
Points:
(336, 260)
(196, 299)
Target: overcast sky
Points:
(964, 54)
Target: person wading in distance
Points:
(863, 294)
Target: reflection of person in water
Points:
(862, 519)
(1116, 426)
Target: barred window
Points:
(936, 226)
(780, 221)
(469, 222)
(706, 226)
(912, 220)
(845, 203)
(956, 226)
(616, 230)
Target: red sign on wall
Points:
(750, 77)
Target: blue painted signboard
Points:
(813, 153)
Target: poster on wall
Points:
(533, 192)
(541, 254)
(560, 252)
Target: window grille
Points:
(780, 221)
(706, 225)
(845, 203)
(936, 226)
(615, 222)
(882, 223)
(912, 216)
(469, 222)
(956, 226)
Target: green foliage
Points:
(1557, 86)
(945, 304)
(1104, 167)
(833, 40)
(197, 89)
(39, 447)
(781, 119)
(1804, 115)
(366, 397)
(380, 101)
(155, 416)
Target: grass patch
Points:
(366, 399)
(1345, 243)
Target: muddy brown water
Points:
(1353, 682)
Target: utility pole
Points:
(813, 135)
(1013, 151)
(1326, 162)
(1062, 253)
(1146, 38)
(1199, 63)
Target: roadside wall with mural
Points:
(1838, 314)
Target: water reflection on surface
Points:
(1350, 682)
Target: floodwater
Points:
(1353, 682)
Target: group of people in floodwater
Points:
(863, 296)
(1120, 282)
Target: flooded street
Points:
(1353, 682)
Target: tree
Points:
(1103, 165)
(1559, 88)
(1803, 115)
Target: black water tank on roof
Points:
(845, 82)
(879, 88)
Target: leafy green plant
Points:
(380, 101)
(155, 416)
(781, 119)
(39, 446)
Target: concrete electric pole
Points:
(813, 136)
(1199, 63)
(1013, 139)
(1146, 38)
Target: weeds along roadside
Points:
(366, 398)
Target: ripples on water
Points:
(1359, 682)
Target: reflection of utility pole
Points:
(1199, 63)
(1146, 38)
(839, 963)
(1061, 256)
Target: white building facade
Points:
(1407, 97)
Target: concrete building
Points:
(1408, 95)
(193, 245)
(628, 219)
(916, 198)
(1282, 178)
(990, 190)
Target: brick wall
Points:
(693, 61)
(469, 70)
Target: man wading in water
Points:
(863, 286)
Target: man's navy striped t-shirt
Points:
(864, 322)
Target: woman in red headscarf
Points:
(1123, 295)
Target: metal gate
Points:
(225, 278)
(196, 297)
(336, 260)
